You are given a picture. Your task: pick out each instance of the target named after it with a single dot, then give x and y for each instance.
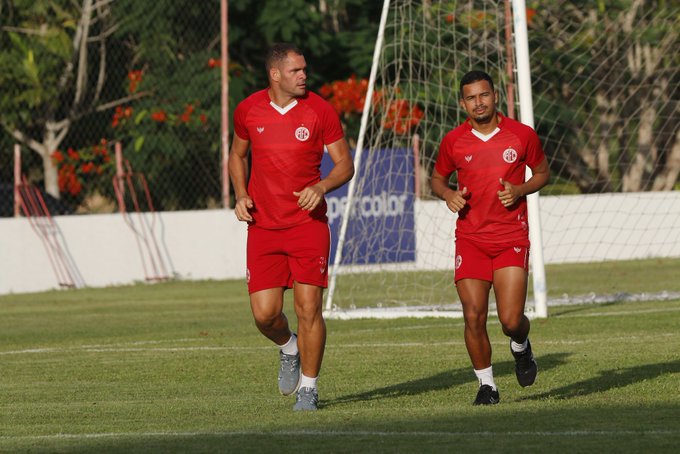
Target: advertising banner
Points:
(382, 224)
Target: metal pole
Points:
(510, 72)
(416, 165)
(225, 102)
(120, 175)
(17, 180)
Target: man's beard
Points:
(484, 119)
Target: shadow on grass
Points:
(610, 379)
(440, 381)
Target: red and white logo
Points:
(459, 261)
(517, 249)
(322, 264)
(510, 155)
(302, 133)
(468, 157)
(260, 129)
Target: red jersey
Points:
(286, 150)
(480, 162)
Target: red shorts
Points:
(479, 261)
(276, 258)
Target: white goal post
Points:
(524, 78)
(605, 88)
(357, 157)
(526, 109)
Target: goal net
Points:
(605, 100)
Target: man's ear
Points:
(275, 74)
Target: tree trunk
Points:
(49, 145)
(666, 180)
(54, 135)
(50, 174)
(606, 125)
(633, 180)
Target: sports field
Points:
(180, 367)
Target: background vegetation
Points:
(78, 76)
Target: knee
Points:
(266, 321)
(475, 320)
(513, 325)
(308, 312)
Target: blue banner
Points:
(382, 226)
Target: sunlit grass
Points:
(180, 367)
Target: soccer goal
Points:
(609, 136)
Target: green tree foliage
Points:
(605, 79)
(79, 74)
(178, 53)
(172, 133)
(47, 84)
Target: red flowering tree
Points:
(348, 98)
(401, 116)
(172, 135)
(83, 172)
(87, 171)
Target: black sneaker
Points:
(486, 396)
(525, 366)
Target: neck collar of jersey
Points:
(486, 137)
(283, 110)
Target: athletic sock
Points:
(485, 377)
(307, 382)
(290, 347)
(519, 348)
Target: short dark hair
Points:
(278, 52)
(472, 77)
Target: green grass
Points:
(180, 367)
(437, 288)
(630, 276)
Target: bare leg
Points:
(510, 287)
(311, 327)
(267, 307)
(474, 295)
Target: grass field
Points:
(180, 367)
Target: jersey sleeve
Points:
(445, 164)
(240, 122)
(535, 154)
(332, 129)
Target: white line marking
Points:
(121, 349)
(344, 433)
(605, 314)
(131, 346)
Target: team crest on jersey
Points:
(322, 264)
(510, 155)
(260, 129)
(302, 133)
(459, 261)
(468, 158)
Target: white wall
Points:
(576, 228)
(103, 250)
